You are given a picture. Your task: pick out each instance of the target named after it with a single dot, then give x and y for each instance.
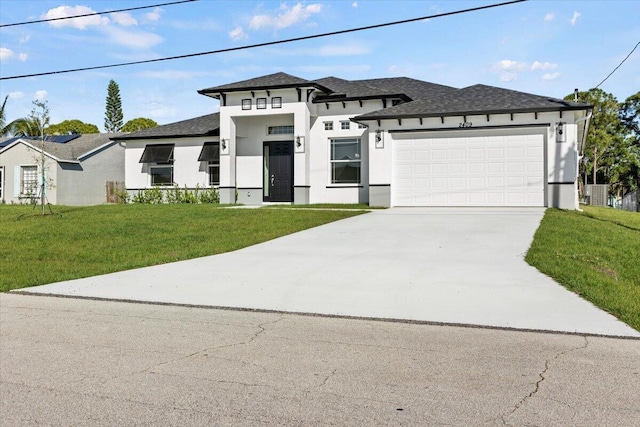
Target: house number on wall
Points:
(465, 125)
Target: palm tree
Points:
(4, 130)
(26, 126)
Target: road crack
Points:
(541, 378)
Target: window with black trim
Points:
(261, 103)
(246, 104)
(160, 160)
(328, 125)
(211, 154)
(361, 126)
(276, 102)
(345, 161)
(280, 130)
(345, 125)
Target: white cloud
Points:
(549, 17)
(508, 76)
(509, 65)
(354, 4)
(133, 39)
(287, 17)
(123, 19)
(40, 95)
(551, 76)
(153, 16)
(16, 95)
(5, 53)
(80, 23)
(23, 57)
(238, 34)
(575, 17)
(543, 66)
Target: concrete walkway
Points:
(458, 266)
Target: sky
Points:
(542, 47)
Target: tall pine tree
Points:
(113, 115)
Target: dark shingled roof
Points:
(75, 149)
(399, 87)
(208, 125)
(272, 81)
(477, 99)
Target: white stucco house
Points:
(386, 142)
(77, 168)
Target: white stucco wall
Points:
(187, 170)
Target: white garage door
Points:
(492, 170)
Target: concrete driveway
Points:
(454, 266)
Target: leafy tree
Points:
(39, 116)
(137, 124)
(4, 129)
(26, 126)
(113, 115)
(604, 133)
(71, 126)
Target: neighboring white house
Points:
(386, 142)
(77, 168)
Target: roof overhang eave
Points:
(191, 135)
(467, 113)
(216, 93)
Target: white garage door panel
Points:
(469, 171)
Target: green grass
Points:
(86, 241)
(596, 254)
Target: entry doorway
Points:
(278, 171)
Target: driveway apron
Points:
(444, 265)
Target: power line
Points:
(614, 70)
(95, 13)
(295, 39)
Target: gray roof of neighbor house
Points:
(73, 150)
(271, 81)
(208, 125)
(477, 99)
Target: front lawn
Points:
(596, 254)
(87, 241)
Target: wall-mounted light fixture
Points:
(224, 146)
(299, 144)
(560, 132)
(379, 138)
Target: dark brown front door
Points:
(278, 171)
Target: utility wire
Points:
(614, 70)
(95, 13)
(295, 39)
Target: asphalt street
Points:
(72, 361)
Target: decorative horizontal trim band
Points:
(379, 185)
(227, 188)
(301, 186)
(562, 183)
(344, 186)
(532, 125)
(248, 188)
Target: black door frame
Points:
(265, 181)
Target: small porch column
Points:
(227, 187)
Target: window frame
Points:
(343, 123)
(261, 103)
(270, 128)
(153, 166)
(247, 104)
(358, 159)
(328, 126)
(276, 102)
(34, 181)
